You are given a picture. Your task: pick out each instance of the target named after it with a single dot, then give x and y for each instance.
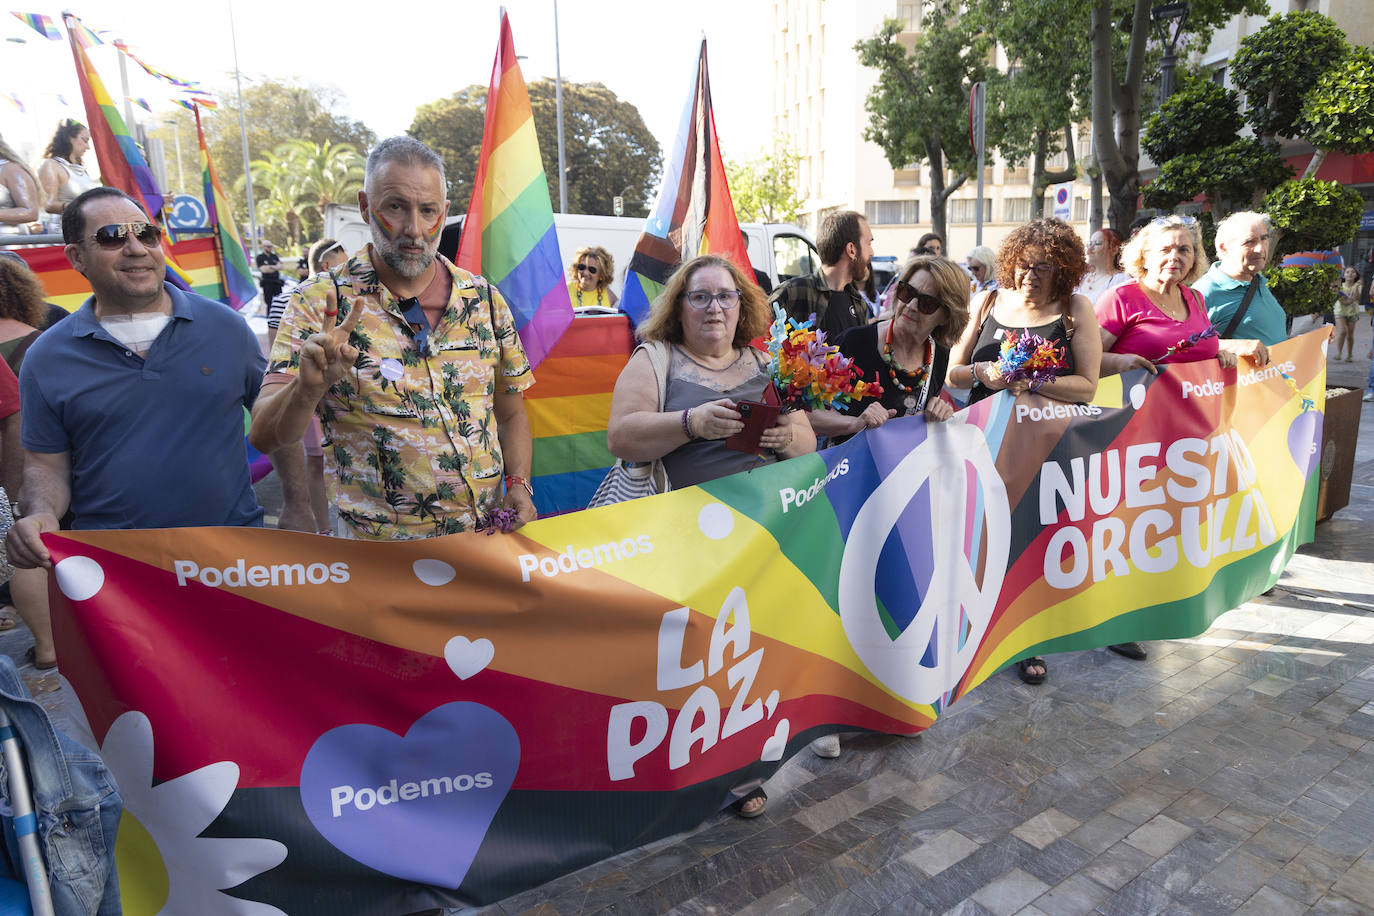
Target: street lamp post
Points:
(243, 138)
(1168, 21)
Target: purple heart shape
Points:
(1304, 439)
(414, 807)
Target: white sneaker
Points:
(1368, 396)
(827, 747)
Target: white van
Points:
(778, 251)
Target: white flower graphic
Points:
(165, 865)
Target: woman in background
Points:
(62, 174)
(21, 196)
(1104, 265)
(592, 270)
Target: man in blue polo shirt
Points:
(134, 406)
(1242, 251)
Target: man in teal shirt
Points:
(1242, 251)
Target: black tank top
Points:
(989, 347)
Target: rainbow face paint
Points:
(433, 231)
(388, 231)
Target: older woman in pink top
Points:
(1156, 318)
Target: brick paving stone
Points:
(1269, 902)
(1357, 883)
(1116, 867)
(1010, 893)
(1073, 896)
(941, 852)
(1046, 827)
(1100, 833)
(1141, 897)
(1240, 874)
(1158, 835)
(1335, 905)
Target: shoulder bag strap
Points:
(1244, 304)
(658, 353)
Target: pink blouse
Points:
(1139, 326)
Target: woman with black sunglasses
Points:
(907, 354)
(590, 287)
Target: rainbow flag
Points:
(63, 286)
(238, 279)
(694, 213)
(153, 71)
(121, 162)
(41, 24)
(570, 408)
(509, 236)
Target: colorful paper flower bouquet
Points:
(809, 373)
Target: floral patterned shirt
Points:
(410, 436)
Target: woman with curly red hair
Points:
(1038, 267)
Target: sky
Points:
(387, 65)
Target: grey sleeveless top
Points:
(690, 385)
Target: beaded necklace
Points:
(916, 375)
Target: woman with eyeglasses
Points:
(700, 327)
(1038, 267)
(591, 270)
(1104, 265)
(1157, 318)
(908, 352)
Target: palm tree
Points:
(325, 173)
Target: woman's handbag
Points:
(628, 480)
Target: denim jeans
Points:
(76, 801)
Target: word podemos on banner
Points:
(312, 725)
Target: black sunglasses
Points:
(113, 235)
(589, 268)
(926, 304)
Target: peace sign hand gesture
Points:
(327, 356)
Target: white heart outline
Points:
(777, 742)
(467, 657)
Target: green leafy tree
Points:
(1034, 105)
(293, 183)
(1309, 215)
(764, 189)
(1199, 116)
(1193, 137)
(1120, 33)
(1313, 215)
(273, 109)
(918, 108)
(1279, 64)
(1339, 109)
(608, 150)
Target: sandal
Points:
(1023, 668)
(31, 657)
(742, 807)
(8, 621)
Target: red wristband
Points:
(512, 482)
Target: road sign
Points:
(187, 213)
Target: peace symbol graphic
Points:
(944, 461)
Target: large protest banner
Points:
(310, 725)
